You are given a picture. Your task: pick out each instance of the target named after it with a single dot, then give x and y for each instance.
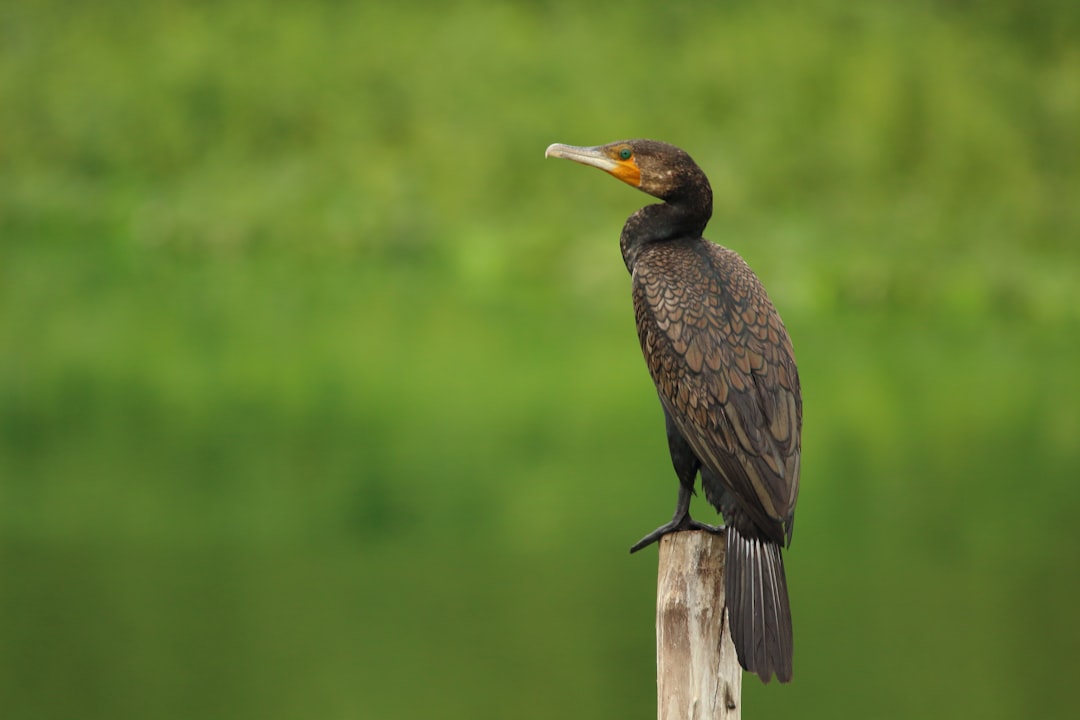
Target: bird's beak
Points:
(598, 157)
(593, 156)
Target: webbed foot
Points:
(680, 522)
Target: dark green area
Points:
(319, 390)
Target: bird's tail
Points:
(757, 605)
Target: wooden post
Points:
(698, 676)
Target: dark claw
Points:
(676, 525)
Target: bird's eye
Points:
(625, 153)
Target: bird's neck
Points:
(661, 223)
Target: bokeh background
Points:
(319, 390)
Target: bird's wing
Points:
(725, 370)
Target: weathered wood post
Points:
(698, 676)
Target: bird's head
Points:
(659, 169)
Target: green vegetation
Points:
(319, 390)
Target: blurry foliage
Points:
(319, 392)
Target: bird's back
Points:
(725, 371)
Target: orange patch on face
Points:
(627, 171)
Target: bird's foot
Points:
(677, 524)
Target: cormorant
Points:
(725, 372)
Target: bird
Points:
(725, 373)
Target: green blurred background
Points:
(319, 390)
